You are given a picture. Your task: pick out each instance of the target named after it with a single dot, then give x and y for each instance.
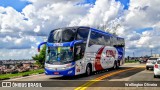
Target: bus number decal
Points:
(111, 53)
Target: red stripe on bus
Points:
(97, 64)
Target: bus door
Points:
(79, 51)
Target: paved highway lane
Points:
(128, 72)
(43, 77)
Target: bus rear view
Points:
(70, 51)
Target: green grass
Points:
(131, 61)
(27, 73)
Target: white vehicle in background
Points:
(157, 68)
(150, 63)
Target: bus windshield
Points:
(61, 35)
(59, 54)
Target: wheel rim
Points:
(88, 71)
(114, 65)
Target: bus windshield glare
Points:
(59, 54)
(61, 35)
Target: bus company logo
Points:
(6, 84)
(110, 53)
(58, 44)
(78, 68)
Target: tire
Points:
(147, 68)
(118, 64)
(155, 76)
(115, 65)
(88, 70)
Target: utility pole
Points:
(151, 52)
(133, 56)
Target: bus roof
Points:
(107, 33)
(93, 29)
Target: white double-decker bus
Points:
(78, 50)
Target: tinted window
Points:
(121, 41)
(118, 41)
(93, 38)
(61, 35)
(112, 39)
(153, 58)
(82, 33)
(79, 50)
(158, 62)
(99, 39)
(107, 40)
(68, 35)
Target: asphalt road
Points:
(127, 72)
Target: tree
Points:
(40, 58)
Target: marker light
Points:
(156, 66)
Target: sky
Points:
(26, 23)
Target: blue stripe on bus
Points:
(120, 52)
(39, 46)
(65, 44)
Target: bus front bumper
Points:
(67, 72)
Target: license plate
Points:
(56, 73)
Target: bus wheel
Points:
(155, 76)
(115, 65)
(118, 64)
(147, 68)
(88, 70)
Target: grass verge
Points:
(21, 74)
(131, 61)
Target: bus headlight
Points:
(67, 67)
(63, 68)
(58, 68)
(48, 67)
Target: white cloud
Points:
(17, 54)
(142, 14)
(23, 30)
(101, 13)
(18, 43)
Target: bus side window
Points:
(82, 34)
(99, 39)
(79, 50)
(107, 40)
(113, 41)
(93, 38)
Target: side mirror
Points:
(39, 46)
(78, 41)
